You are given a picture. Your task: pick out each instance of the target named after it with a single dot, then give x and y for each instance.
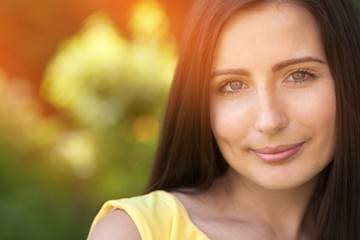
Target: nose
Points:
(271, 114)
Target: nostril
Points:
(270, 120)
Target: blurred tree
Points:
(357, 5)
(108, 89)
(30, 31)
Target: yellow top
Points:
(158, 215)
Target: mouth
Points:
(278, 154)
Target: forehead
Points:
(281, 9)
(269, 30)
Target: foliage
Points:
(109, 92)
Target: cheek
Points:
(221, 119)
(229, 119)
(318, 116)
(319, 109)
(313, 107)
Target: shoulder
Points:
(133, 218)
(115, 225)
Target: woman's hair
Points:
(187, 154)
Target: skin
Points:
(268, 107)
(115, 225)
(271, 87)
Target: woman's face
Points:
(272, 97)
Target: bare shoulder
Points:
(115, 225)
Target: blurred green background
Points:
(83, 86)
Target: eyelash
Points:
(309, 76)
(227, 83)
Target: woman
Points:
(260, 138)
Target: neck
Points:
(283, 210)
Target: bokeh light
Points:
(102, 80)
(88, 130)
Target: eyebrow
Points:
(289, 62)
(275, 68)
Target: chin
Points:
(286, 183)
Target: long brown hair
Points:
(188, 155)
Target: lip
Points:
(279, 153)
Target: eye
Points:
(232, 86)
(298, 76)
(235, 85)
(301, 76)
